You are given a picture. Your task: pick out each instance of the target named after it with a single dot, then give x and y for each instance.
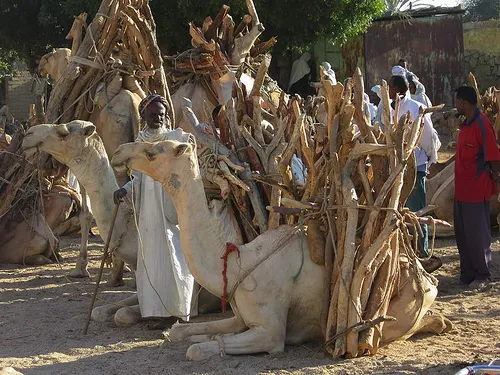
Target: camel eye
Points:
(150, 155)
(62, 135)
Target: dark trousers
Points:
(473, 235)
(416, 201)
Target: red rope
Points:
(230, 248)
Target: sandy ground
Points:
(42, 314)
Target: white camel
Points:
(272, 308)
(116, 117)
(77, 145)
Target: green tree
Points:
(482, 10)
(32, 27)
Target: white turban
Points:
(399, 71)
(377, 90)
(329, 73)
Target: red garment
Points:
(476, 145)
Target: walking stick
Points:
(104, 256)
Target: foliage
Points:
(400, 7)
(32, 27)
(482, 10)
(7, 60)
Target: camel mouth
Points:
(119, 165)
(30, 150)
(120, 168)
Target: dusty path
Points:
(42, 315)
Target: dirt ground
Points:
(42, 314)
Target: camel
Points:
(197, 93)
(117, 121)
(441, 194)
(77, 145)
(81, 149)
(271, 306)
(31, 241)
(54, 63)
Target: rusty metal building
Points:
(431, 40)
(432, 43)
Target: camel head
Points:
(54, 63)
(67, 143)
(172, 163)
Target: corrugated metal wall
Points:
(433, 47)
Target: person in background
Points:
(379, 116)
(477, 171)
(301, 76)
(330, 74)
(425, 154)
(417, 90)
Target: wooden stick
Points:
(103, 261)
(261, 75)
(211, 33)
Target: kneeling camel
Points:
(271, 308)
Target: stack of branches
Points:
(351, 205)
(119, 50)
(218, 47)
(119, 47)
(22, 187)
(244, 157)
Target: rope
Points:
(302, 235)
(230, 248)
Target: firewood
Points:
(245, 21)
(261, 75)
(211, 33)
(315, 241)
(263, 47)
(228, 34)
(474, 84)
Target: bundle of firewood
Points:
(23, 183)
(219, 46)
(119, 48)
(339, 179)
(352, 202)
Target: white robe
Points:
(160, 261)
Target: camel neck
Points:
(94, 172)
(200, 240)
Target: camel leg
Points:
(106, 312)
(37, 260)
(180, 332)
(205, 338)
(435, 324)
(257, 339)
(116, 278)
(80, 269)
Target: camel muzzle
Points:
(30, 145)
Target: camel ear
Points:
(89, 130)
(182, 149)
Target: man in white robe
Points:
(164, 283)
